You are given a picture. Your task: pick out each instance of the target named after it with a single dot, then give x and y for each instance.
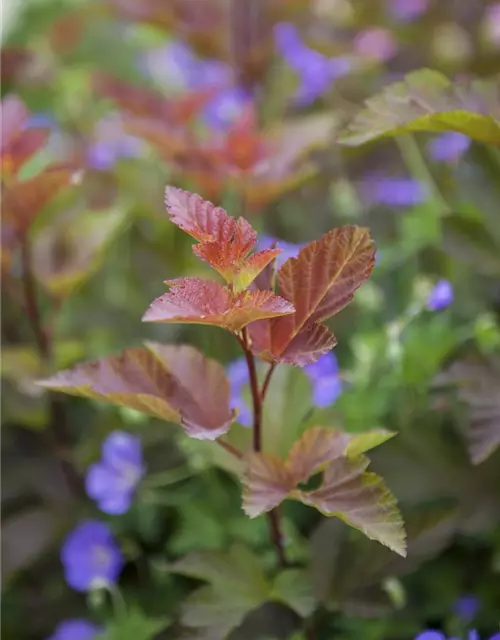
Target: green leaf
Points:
(134, 626)
(428, 101)
(238, 585)
(361, 442)
(293, 588)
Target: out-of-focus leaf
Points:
(192, 300)
(348, 572)
(23, 201)
(428, 101)
(319, 283)
(478, 382)
(469, 241)
(72, 248)
(173, 383)
(135, 625)
(347, 490)
(293, 588)
(23, 361)
(237, 586)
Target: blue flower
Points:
(438, 635)
(288, 249)
(316, 71)
(407, 10)
(112, 481)
(466, 607)
(441, 296)
(225, 108)
(78, 629)
(110, 143)
(375, 43)
(237, 373)
(394, 191)
(91, 557)
(325, 380)
(448, 147)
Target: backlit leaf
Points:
(347, 490)
(428, 101)
(361, 442)
(361, 499)
(319, 283)
(192, 300)
(173, 383)
(293, 588)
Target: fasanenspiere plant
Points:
(277, 317)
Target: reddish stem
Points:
(229, 447)
(258, 400)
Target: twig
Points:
(277, 535)
(229, 447)
(267, 380)
(59, 436)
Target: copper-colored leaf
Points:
(23, 201)
(319, 283)
(361, 499)
(346, 491)
(172, 383)
(193, 300)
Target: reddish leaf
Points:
(192, 300)
(319, 283)
(168, 140)
(346, 491)
(23, 201)
(25, 145)
(172, 383)
(361, 499)
(224, 241)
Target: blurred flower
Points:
(42, 120)
(225, 108)
(316, 71)
(91, 557)
(441, 296)
(491, 24)
(438, 635)
(237, 373)
(448, 147)
(407, 10)
(466, 607)
(289, 249)
(77, 629)
(393, 191)
(110, 143)
(112, 481)
(325, 380)
(376, 43)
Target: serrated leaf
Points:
(237, 586)
(192, 300)
(347, 490)
(173, 383)
(69, 250)
(361, 499)
(319, 283)
(428, 101)
(361, 442)
(224, 241)
(293, 588)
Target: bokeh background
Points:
(244, 102)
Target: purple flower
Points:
(394, 191)
(492, 23)
(289, 249)
(466, 607)
(237, 373)
(448, 147)
(110, 143)
(316, 71)
(407, 10)
(438, 635)
(78, 629)
(225, 108)
(112, 481)
(441, 296)
(40, 120)
(325, 380)
(376, 44)
(90, 556)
